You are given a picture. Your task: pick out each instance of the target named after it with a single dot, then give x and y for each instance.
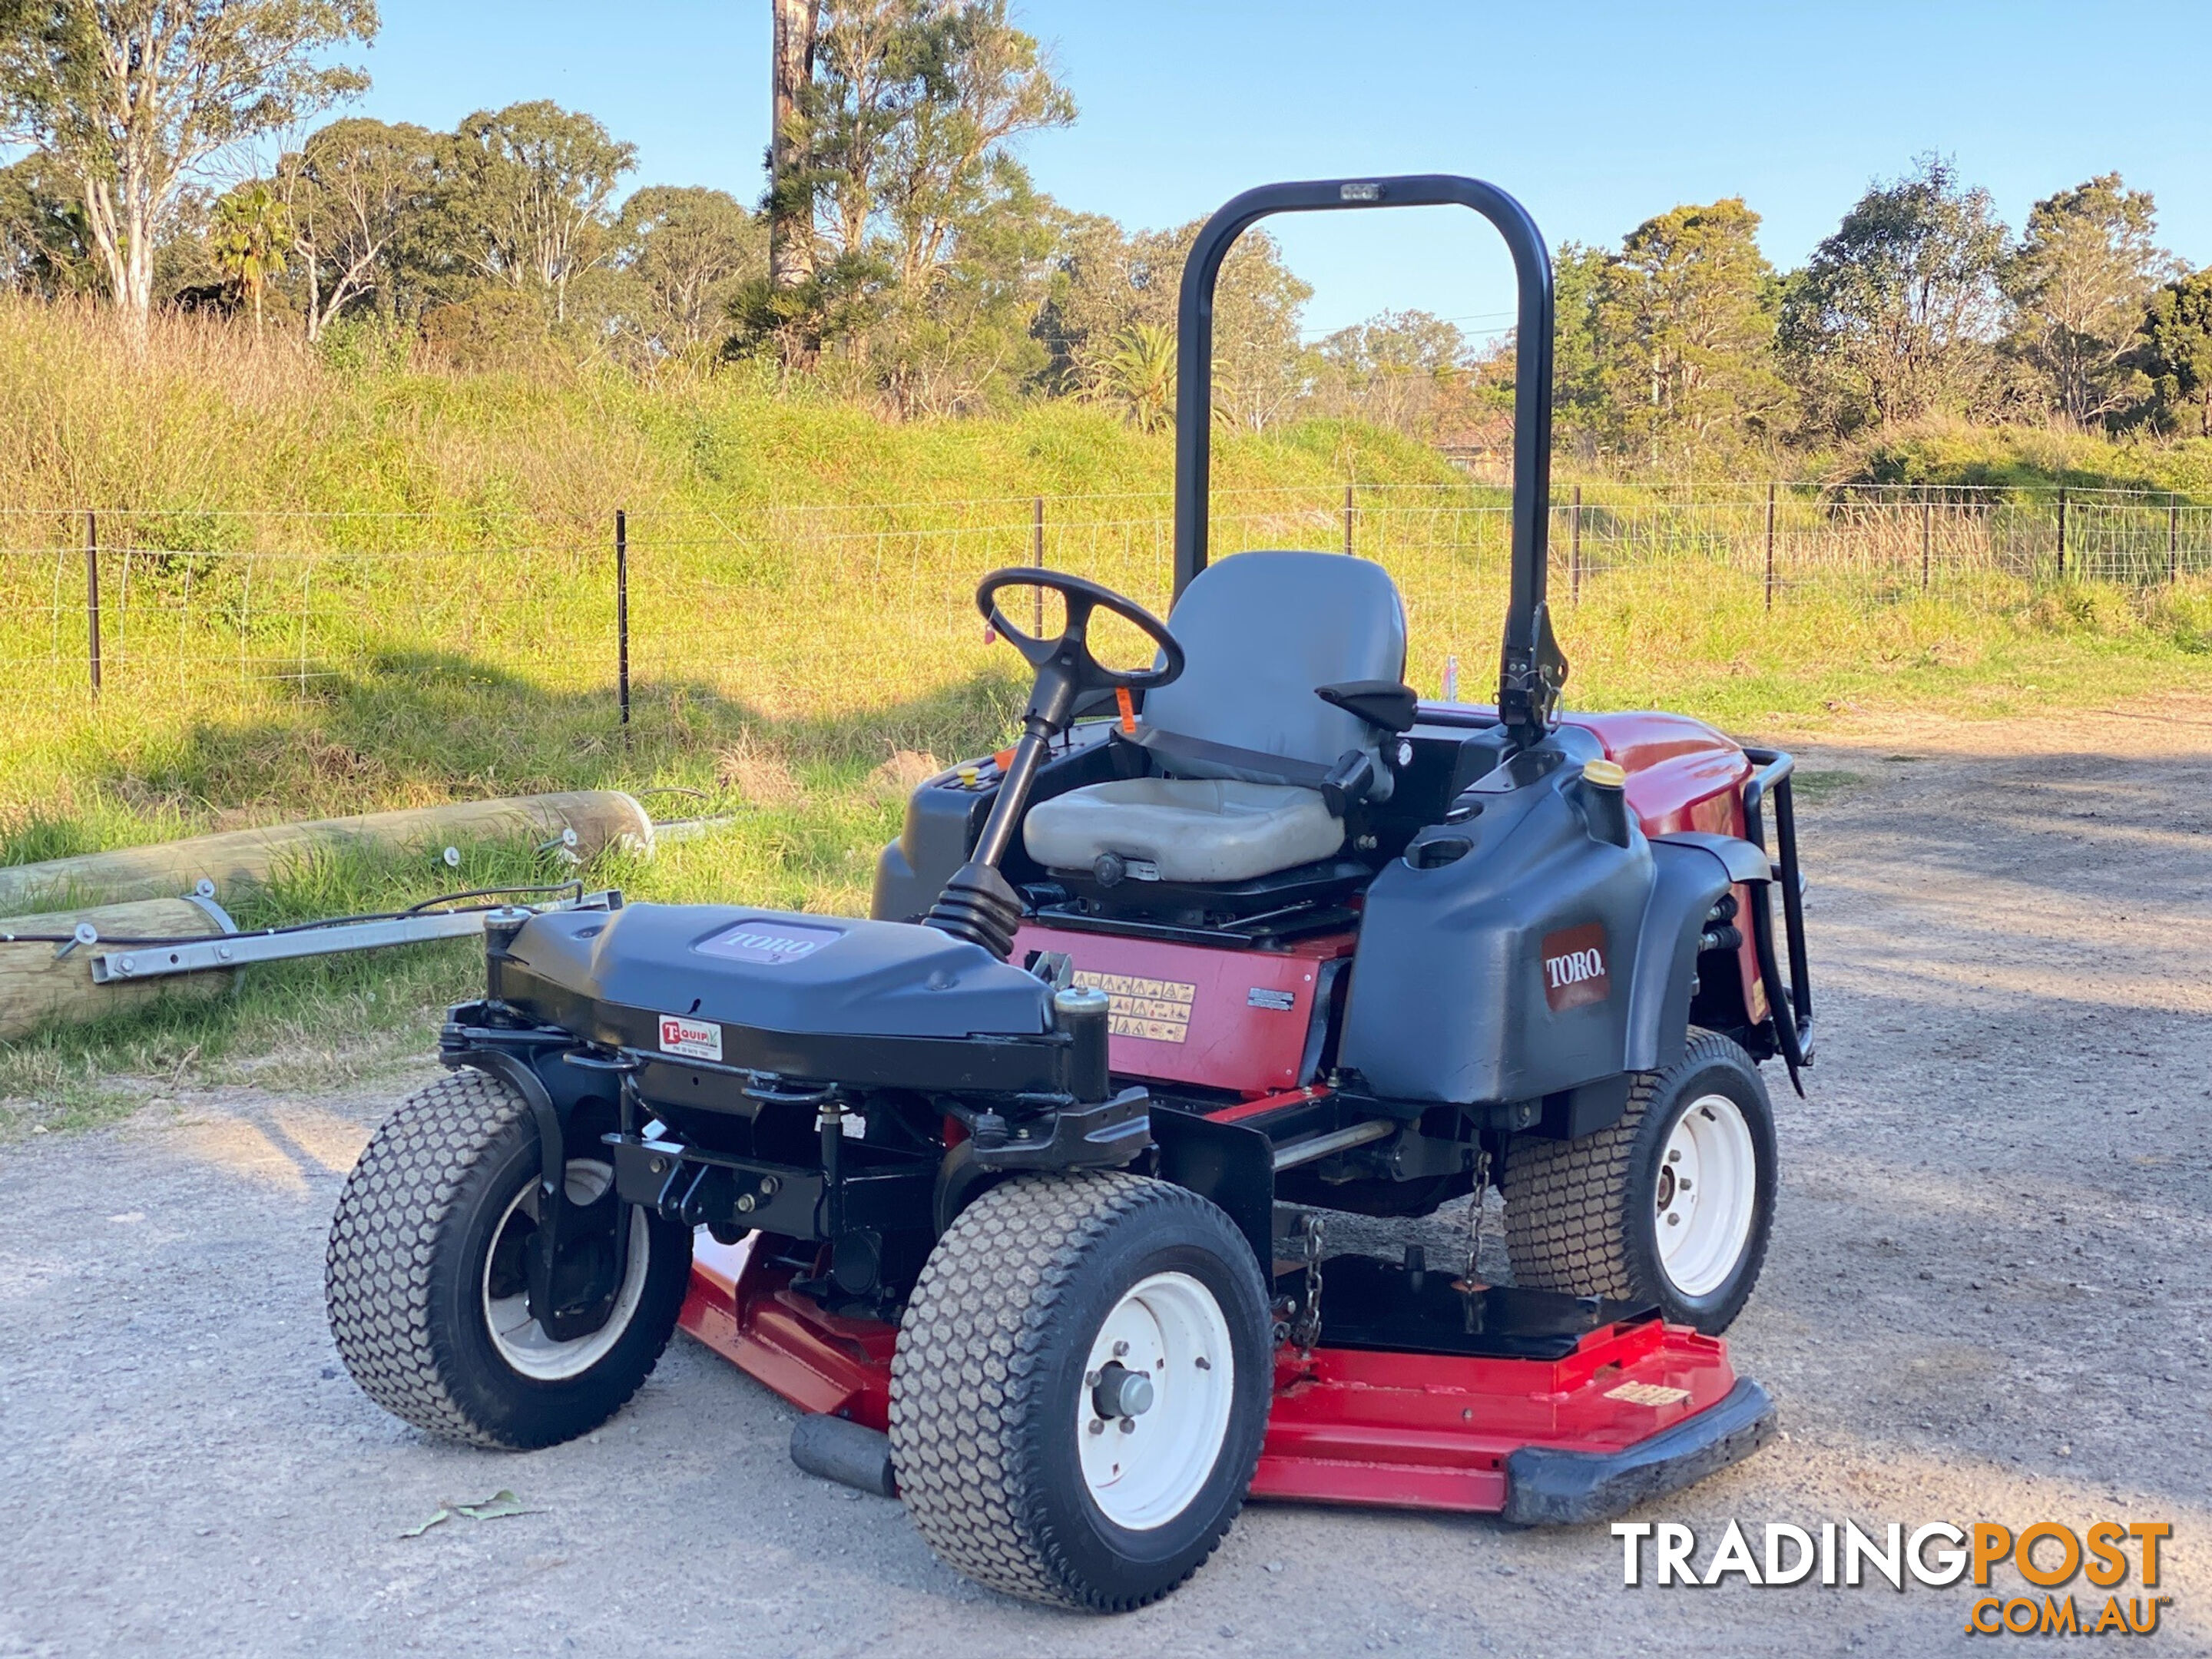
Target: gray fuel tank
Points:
(782, 971)
(1496, 957)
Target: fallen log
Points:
(39, 987)
(241, 858)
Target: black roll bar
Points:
(1531, 668)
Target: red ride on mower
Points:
(1015, 1189)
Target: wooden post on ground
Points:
(242, 859)
(38, 988)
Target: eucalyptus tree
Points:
(1896, 315)
(1684, 320)
(131, 98)
(358, 191)
(2088, 262)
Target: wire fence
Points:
(825, 609)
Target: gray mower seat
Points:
(1206, 829)
(1261, 631)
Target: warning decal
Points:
(1157, 1010)
(1647, 1393)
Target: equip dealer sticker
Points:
(1157, 1010)
(701, 1039)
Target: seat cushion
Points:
(1197, 830)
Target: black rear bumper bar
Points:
(1548, 1488)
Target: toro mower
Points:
(1017, 1188)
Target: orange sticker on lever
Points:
(1129, 709)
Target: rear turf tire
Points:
(415, 1269)
(1589, 1216)
(1017, 1308)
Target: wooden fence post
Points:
(1926, 529)
(1347, 518)
(2173, 539)
(2061, 532)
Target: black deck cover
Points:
(781, 971)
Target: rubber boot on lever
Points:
(980, 905)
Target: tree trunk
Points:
(790, 224)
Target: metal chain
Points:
(1307, 1331)
(1474, 1219)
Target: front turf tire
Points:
(410, 1277)
(1591, 1217)
(997, 1379)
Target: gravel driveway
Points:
(1987, 1298)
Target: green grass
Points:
(264, 664)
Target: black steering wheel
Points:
(1066, 667)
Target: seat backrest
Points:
(1261, 631)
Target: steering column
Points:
(978, 903)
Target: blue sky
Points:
(1596, 115)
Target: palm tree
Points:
(1138, 372)
(252, 227)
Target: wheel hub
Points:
(1120, 1392)
(1153, 1414)
(1704, 1198)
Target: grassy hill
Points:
(340, 583)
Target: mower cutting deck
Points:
(1020, 1187)
(1543, 1408)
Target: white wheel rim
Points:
(1703, 1201)
(520, 1340)
(1170, 1328)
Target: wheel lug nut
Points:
(1128, 1425)
(1674, 1220)
(1097, 1425)
(1090, 1379)
(1673, 1157)
(1120, 1350)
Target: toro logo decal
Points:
(1575, 973)
(701, 1039)
(769, 943)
